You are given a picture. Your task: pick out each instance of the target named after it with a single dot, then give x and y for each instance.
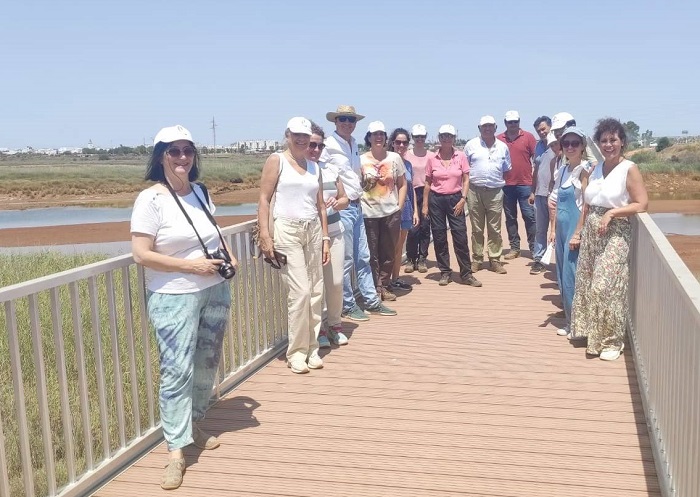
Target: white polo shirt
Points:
(344, 157)
(487, 165)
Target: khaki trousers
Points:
(333, 282)
(485, 212)
(300, 240)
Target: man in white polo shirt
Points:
(341, 154)
(489, 160)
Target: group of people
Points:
(335, 223)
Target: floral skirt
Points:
(600, 307)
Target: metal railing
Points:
(665, 336)
(83, 363)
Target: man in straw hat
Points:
(341, 153)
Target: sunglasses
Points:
(401, 142)
(279, 260)
(512, 122)
(176, 153)
(445, 136)
(314, 146)
(419, 137)
(571, 144)
(346, 119)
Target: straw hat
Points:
(344, 110)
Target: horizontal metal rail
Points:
(82, 357)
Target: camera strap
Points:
(189, 220)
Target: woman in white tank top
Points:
(614, 193)
(301, 241)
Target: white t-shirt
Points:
(381, 197)
(157, 214)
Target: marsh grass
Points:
(107, 339)
(55, 176)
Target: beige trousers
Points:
(485, 213)
(301, 242)
(333, 281)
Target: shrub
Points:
(663, 143)
(645, 156)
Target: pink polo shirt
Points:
(419, 164)
(447, 180)
(522, 151)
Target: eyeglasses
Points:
(401, 142)
(346, 119)
(314, 146)
(512, 122)
(176, 153)
(445, 136)
(419, 137)
(571, 144)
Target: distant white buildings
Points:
(256, 146)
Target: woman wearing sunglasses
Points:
(384, 185)
(615, 192)
(569, 183)
(418, 239)
(335, 201)
(300, 232)
(398, 142)
(188, 296)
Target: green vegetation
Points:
(663, 144)
(38, 176)
(678, 158)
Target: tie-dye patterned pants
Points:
(190, 329)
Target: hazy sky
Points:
(116, 72)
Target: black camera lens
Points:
(227, 271)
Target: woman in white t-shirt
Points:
(335, 201)
(299, 236)
(188, 293)
(615, 191)
(384, 186)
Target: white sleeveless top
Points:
(610, 192)
(295, 197)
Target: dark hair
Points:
(317, 130)
(610, 125)
(368, 143)
(394, 134)
(542, 119)
(154, 169)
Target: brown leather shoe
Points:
(513, 254)
(497, 267)
(476, 266)
(386, 294)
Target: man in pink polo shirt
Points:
(518, 189)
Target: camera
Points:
(225, 269)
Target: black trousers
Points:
(418, 239)
(441, 210)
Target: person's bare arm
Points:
(268, 183)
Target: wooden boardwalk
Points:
(467, 392)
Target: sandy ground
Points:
(688, 247)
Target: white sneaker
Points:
(315, 362)
(563, 332)
(611, 355)
(298, 367)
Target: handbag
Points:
(255, 232)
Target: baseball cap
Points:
(512, 115)
(299, 125)
(173, 134)
(487, 120)
(419, 129)
(560, 119)
(551, 138)
(447, 128)
(376, 126)
(573, 130)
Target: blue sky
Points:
(116, 72)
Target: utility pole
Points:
(213, 129)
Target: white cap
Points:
(447, 128)
(551, 138)
(299, 125)
(419, 129)
(487, 120)
(375, 126)
(559, 120)
(512, 115)
(173, 134)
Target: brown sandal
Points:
(172, 476)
